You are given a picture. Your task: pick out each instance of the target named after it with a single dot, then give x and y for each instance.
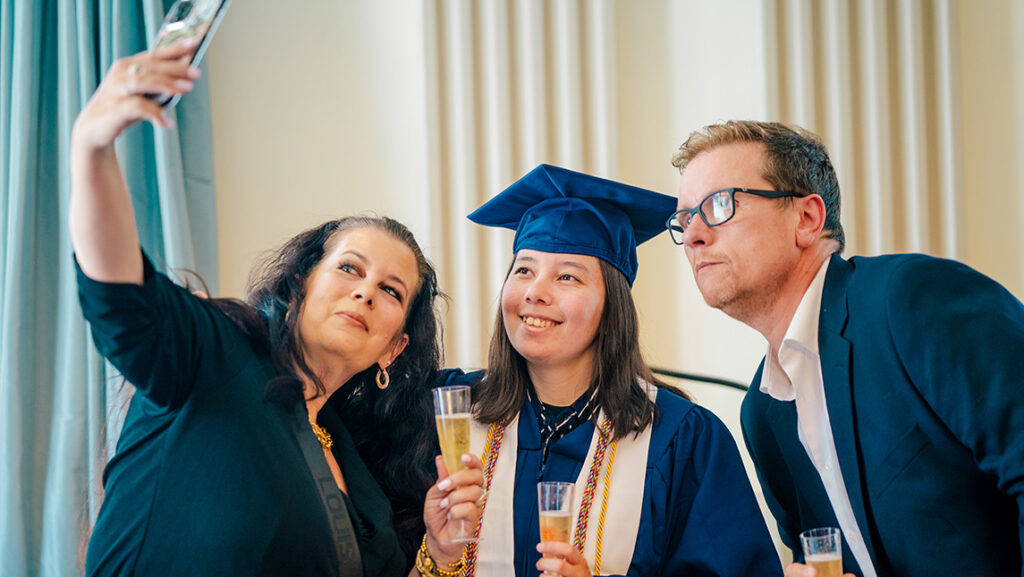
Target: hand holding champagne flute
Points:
(554, 508)
(554, 504)
(452, 413)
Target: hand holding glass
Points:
(452, 413)
(554, 503)
(823, 550)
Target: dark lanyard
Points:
(346, 544)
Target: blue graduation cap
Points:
(553, 209)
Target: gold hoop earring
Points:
(383, 379)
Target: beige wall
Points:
(318, 113)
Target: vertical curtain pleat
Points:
(912, 115)
(567, 72)
(460, 165)
(876, 78)
(877, 143)
(775, 88)
(60, 404)
(529, 82)
(948, 173)
(838, 117)
(603, 136)
(24, 375)
(800, 51)
(432, 89)
(496, 102)
(520, 83)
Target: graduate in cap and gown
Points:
(659, 485)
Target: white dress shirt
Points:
(795, 374)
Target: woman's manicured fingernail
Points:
(444, 485)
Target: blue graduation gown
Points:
(699, 518)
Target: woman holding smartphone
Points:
(230, 461)
(567, 397)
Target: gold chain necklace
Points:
(321, 435)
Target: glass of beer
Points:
(823, 550)
(452, 413)
(554, 504)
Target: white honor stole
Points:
(622, 519)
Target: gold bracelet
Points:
(427, 567)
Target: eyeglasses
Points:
(715, 209)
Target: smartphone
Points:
(185, 19)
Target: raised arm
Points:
(102, 220)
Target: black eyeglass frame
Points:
(673, 225)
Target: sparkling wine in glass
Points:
(554, 507)
(452, 414)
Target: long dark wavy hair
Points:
(619, 366)
(392, 428)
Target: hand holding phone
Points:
(189, 18)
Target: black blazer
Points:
(923, 366)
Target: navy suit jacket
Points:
(923, 366)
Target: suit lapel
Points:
(782, 419)
(836, 359)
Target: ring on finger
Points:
(128, 84)
(481, 499)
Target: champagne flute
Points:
(554, 504)
(823, 550)
(452, 413)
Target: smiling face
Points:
(552, 305)
(742, 265)
(356, 300)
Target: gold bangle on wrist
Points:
(427, 567)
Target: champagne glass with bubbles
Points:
(554, 504)
(452, 413)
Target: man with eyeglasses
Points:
(890, 403)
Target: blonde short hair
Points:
(794, 159)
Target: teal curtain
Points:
(59, 402)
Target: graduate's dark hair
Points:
(620, 366)
(392, 427)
